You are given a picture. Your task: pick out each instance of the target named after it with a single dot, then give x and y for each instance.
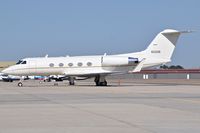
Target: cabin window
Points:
(51, 65)
(61, 65)
(80, 64)
(70, 64)
(89, 64)
(24, 62)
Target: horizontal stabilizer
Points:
(169, 31)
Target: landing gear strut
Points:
(20, 83)
(100, 81)
(71, 81)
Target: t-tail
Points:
(163, 45)
(161, 48)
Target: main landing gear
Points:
(71, 81)
(100, 81)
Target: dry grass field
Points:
(4, 64)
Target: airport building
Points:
(171, 74)
(164, 74)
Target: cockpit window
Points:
(19, 62)
(24, 62)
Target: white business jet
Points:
(157, 53)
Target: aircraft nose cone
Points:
(7, 71)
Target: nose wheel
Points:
(20, 84)
(71, 81)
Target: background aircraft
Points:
(8, 78)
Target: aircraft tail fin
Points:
(162, 47)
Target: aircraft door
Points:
(32, 67)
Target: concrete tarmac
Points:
(131, 107)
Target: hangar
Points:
(170, 74)
(148, 74)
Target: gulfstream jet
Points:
(157, 53)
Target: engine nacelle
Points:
(118, 61)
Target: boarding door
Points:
(32, 67)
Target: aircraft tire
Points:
(20, 84)
(71, 83)
(101, 83)
(97, 83)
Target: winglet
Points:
(139, 66)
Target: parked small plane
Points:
(157, 53)
(8, 78)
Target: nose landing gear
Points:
(20, 84)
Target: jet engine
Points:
(118, 61)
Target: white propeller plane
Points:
(157, 53)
